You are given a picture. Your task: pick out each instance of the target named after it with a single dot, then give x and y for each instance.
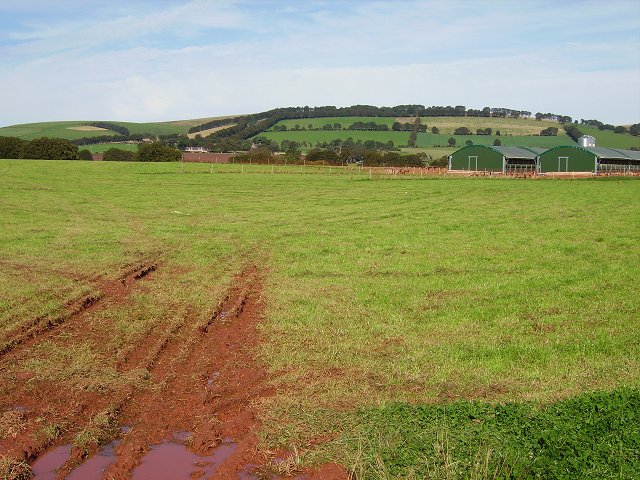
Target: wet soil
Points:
(200, 419)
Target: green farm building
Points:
(480, 158)
(587, 159)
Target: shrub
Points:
(10, 147)
(85, 155)
(49, 149)
(119, 155)
(156, 152)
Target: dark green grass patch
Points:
(430, 140)
(591, 436)
(609, 139)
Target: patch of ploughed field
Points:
(200, 421)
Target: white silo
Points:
(587, 141)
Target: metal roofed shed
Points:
(481, 158)
(570, 159)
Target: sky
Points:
(142, 60)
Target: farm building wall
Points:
(566, 159)
(476, 158)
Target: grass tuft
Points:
(12, 469)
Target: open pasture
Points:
(343, 121)
(431, 140)
(507, 126)
(68, 130)
(609, 139)
(400, 326)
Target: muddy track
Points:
(111, 289)
(207, 384)
(49, 400)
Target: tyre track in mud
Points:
(66, 407)
(107, 289)
(207, 383)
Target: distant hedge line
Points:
(58, 149)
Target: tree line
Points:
(59, 149)
(111, 126)
(39, 149)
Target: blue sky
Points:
(163, 60)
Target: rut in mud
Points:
(198, 419)
(207, 385)
(114, 289)
(62, 408)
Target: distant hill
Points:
(73, 130)
(323, 129)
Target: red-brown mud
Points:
(202, 411)
(42, 399)
(114, 289)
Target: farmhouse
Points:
(588, 159)
(494, 159)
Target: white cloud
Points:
(471, 53)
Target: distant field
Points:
(606, 138)
(513, 126)
(103, 147)
(68, 130)
(430, 140)
(313, 136)
(344, 121)
(209, 131)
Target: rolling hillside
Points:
(309, 131)
(73, 130)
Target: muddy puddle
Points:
(174, 461)
(45, 467)
(93, 468)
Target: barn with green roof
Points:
(481, 158)
(573, 158)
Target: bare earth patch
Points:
(88, 128)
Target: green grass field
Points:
(344, 121)
(29, 131)
(606, 138)
(430, 140)
(440, 327)
(103, 147)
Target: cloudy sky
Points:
(154, 60)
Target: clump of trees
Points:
(50, 149)
(11, 147)
(111, 126)
(497, 142)
(462, 131)
(157, 152)
(484, 131)
(549, 132)
(573, 132)
(119, 155)
(85, 154)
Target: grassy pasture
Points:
(408, 320)
(29, 131)
(430, 140)
(606, 138)
(344, 121)
(103, 147)
(507, 126)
